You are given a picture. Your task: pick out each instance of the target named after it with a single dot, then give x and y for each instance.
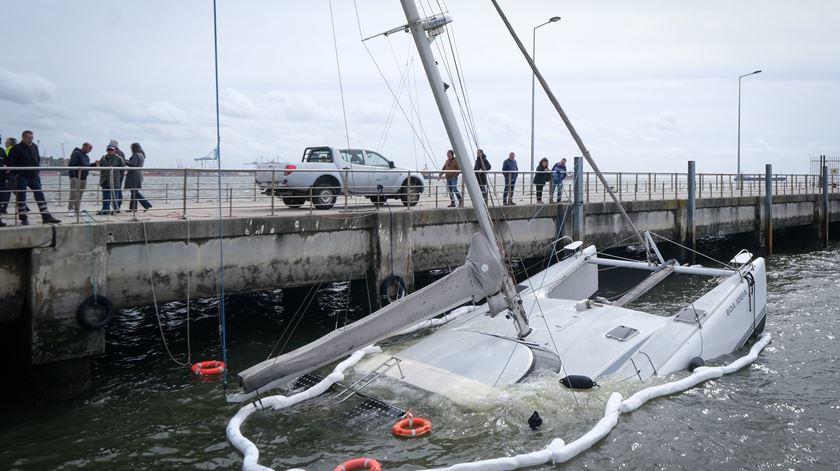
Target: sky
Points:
(649, 85)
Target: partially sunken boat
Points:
(552, 320)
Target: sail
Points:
(478, 278)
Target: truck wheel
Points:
(410, 194)
(294, 201)
(324, 195)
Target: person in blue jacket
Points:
(558, 174)
(510, 172)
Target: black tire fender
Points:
(391, 289)
(86, 314)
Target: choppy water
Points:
(146, 412)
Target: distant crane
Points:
(211, 156)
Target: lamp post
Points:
(739, 123)
(534, 58)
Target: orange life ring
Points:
(208, 368)
(359, 463)
(411, 427)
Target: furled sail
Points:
(478, 278)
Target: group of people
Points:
(111, 181)
(26, 154)
(510, 170)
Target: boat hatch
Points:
(691, 315)
(622, 333)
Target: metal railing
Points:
(181, 193)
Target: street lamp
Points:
(739, 122)
(533, 76)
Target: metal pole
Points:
(691, 210)
(739, 122)
(579, 232)
(184, 202)
(768, 207)
(533, 80)
(825, 218)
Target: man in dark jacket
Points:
(511, 171)
(26, 154)
(78, 177)
(482, 165)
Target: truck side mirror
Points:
(390, 164)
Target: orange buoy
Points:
(411, 426)
(359, 463)
(208, 368)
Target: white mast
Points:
(415, 24)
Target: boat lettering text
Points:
(738, 300)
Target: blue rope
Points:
(222, 322)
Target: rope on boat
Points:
(556, 452)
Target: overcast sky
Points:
(648, 84)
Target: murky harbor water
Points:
(146, 412)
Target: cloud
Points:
(25, 88)
(236, 104)
(297, 107)
(665, 122)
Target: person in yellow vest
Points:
(7, 182)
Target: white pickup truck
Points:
(326, 172)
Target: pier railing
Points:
(191, 192)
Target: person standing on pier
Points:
(510, 169)
(26, 154)
(109, 178)
(121, 176)
(542, 174)
(482, 165)
(558, 174)
(8, 182)
(4, 196)
(134, 178)
(451, 169)
(78, 178)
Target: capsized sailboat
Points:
(549, 321)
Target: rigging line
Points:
(413, 101)
(464, 106)
(222, 320)
(726, 265)
(403, 85)
(382, 75)
(154, 299)
(469, 123)
(462, 80)
(425, 136)
(468, 126)
(340, 83)
(445, 57)
(301, 311)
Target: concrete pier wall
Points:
(47, 271)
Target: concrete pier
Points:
(47, 271)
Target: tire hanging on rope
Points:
(391, 289)
(95, 312)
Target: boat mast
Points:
(462, 155)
